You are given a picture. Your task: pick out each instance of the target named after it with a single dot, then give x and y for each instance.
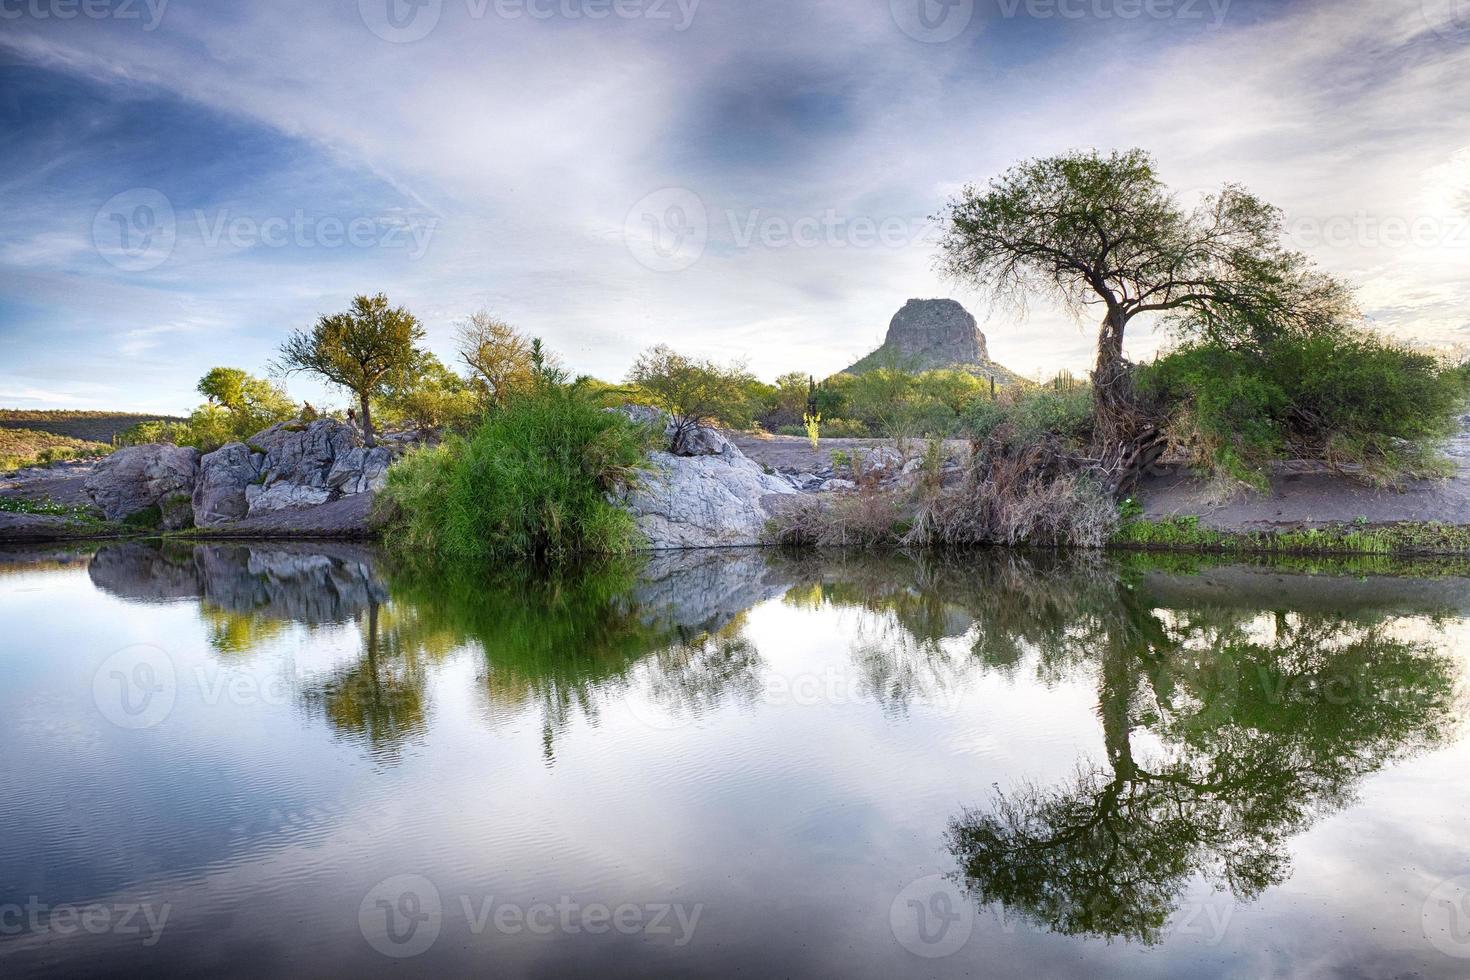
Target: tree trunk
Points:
(1110, 384)
(1126, 441)
(367, 422)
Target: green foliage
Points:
(239, 405)
(694, 391)
(1029, 415)
(1341, 395)
(893, 403)
(23, 505)
(428, 398)
(363, 350)
(532, 481)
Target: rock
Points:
(176, 512)
(136, 478)
(703, 442)
(700, 441)
(832, 486)
(224, 475)
(933, 333)
(703, 501)
(302, 453)
(22, 527)
(360, 470)
(283, 496)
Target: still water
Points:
(298, 759)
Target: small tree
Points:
(429, 397)
(362, 350)
(498, 355)
(695, 392)
(1104, 231)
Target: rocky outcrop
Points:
(703, 501)
(934, 333)
(136, 478)
(302, 453)
(224, 476)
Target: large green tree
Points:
(1103, 231)
(363, 350)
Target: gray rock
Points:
(138, 477)
(283, 496)
(360, 470)
(831, 486)
(703, 442)
(302, 453)
(703, 501)
(224, 475)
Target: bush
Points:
(1348, 397)
(1030, 414)
(532, 481)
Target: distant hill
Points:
(86, 426)
(935, 333)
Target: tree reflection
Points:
(1259, 726)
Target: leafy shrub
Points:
(1029, 415)
(532, 481)
(1344, 396)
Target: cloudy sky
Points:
(185, 181)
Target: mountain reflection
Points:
(1237, 705)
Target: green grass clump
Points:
(20, 505)
(532, 481)
(1186, 533)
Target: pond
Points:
(300, 758)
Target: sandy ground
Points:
(1305, 494)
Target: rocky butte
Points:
(934, 333)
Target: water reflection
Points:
(1236, 707)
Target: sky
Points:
(185, 182)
